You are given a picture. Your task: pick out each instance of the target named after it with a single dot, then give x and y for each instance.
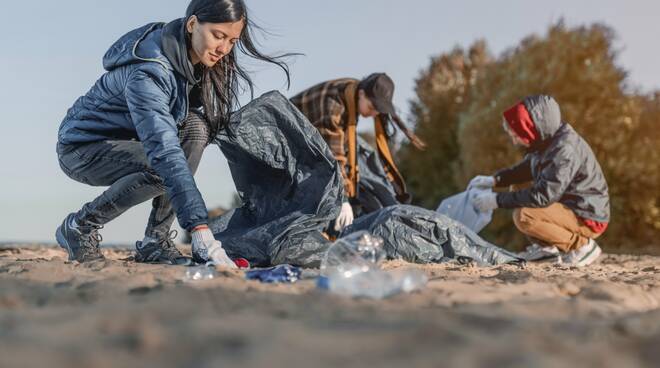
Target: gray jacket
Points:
(561, 165)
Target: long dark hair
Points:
(220, 84)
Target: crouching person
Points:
(568, 205)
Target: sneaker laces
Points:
(89, 235)
(90, 239)
(167, 247)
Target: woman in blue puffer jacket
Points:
(141, 129)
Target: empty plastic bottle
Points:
(356, 253)
(374, 284)
(200, 273)
(351, 267)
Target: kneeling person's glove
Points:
(485, 202)
(206, 248)
(345, 217)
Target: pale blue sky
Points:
(52, 50)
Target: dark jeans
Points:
(122, 165)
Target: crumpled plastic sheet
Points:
(459, 207)
(418, 235)
(292, 189)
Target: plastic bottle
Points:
(351, 267)
(374, 284)
(199, 273)
(356, 253)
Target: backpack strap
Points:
(351, 131)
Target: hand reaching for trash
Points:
(345, 217)
(206, 248)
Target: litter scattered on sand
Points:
(119, 313)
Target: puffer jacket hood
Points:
(142, 45)
(535, 120)
(545, 113)
(137, 46)
(175, 48)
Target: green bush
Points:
(576, 66)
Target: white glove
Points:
(485, 202)
(345, 217)
(206, 247)
(482, 181)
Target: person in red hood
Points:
(567, 205)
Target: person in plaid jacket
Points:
(334, 106)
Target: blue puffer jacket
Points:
(143, 96)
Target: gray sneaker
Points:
(538, 253)
(161, 251)
(583, 256)
(80, 241)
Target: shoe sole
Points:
(548, 259)
(539, 257)
(161, 261)
(590, 257)
(167, 263)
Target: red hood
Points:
(521, 123)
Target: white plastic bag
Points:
(459, 207)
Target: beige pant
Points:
(554, 225)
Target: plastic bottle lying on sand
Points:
(199, 273)
(351, 267)
(374, 284)
(358, 252)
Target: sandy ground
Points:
(115, 313)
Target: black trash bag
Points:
(292, 189)
(375, 191)
(417, 235)
(288, 181)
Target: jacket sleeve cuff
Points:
(197, 223)
(500, 179)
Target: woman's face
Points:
(365, 106)
(212, 41)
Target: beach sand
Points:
(116, 313)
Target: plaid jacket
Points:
(325, 107)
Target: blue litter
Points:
(282, 273)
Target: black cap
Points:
(379, 87)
